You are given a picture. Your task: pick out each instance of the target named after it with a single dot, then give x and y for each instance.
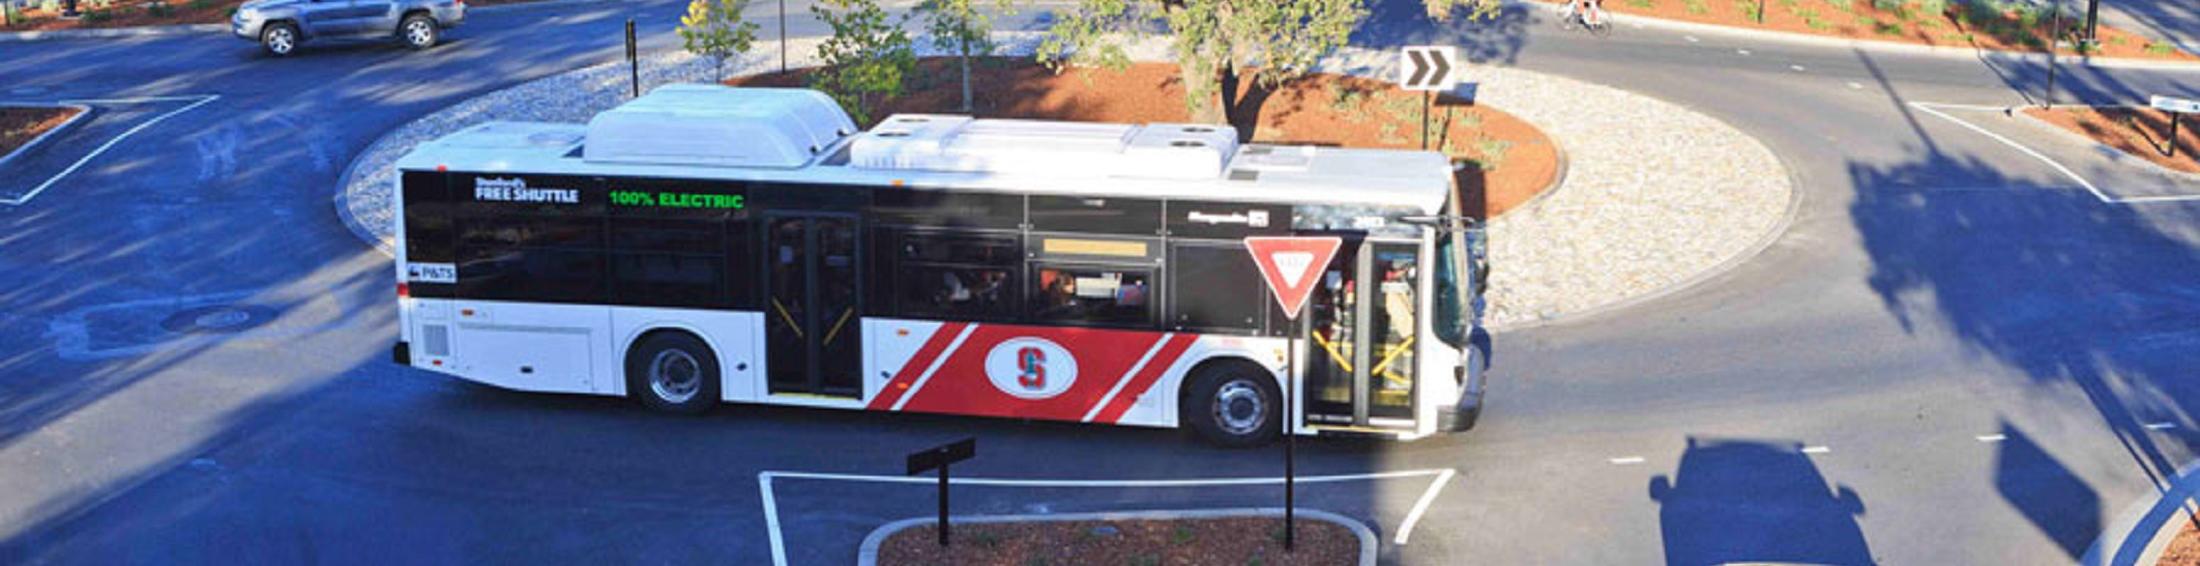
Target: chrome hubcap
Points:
(417, 33)
(1238, 407)
(279, 40)
(675, 376)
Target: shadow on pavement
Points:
(1737, 501)
(1496, 40)
(2048, 494)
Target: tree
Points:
(868, 55)
(714, 29)
(1218, 43)
(957, 25)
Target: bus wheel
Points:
(1233, 405)
(672, 372)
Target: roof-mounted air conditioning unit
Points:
(698, 124)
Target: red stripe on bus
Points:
(899, 385)
(1145, 379)
(962, 386)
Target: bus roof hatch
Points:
(698, 124)
(938, 142)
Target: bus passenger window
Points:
(1095, 295)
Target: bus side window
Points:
(1098, 296)
(956, 276)
(1215, 287)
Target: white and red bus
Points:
(706, 244)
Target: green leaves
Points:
(714, 29)
(868, 55)
(1273, 40)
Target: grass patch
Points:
(1697, 7)
(1886, 28)
(1748, 8)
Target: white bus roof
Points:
(722, 133)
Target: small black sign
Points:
(933, 458)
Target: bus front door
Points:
(1360, 323)
(811, 317)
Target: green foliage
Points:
(1935, 8)
(1146, 560)
(1182, 534)
(1887, 5)
(1271, 40)
(1644, 4)
(867, 57)
(1748, 8)
(1346, 101)
(1441, 10)
(158, 9)
(1493, 153)
(714, 29)
(8, 14)
(1887, 28)
(2160, 48)
(1696, 7)
(96, 16)
(200, 4)
(957, 26)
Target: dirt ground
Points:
(1507, 161)
(20, 125)
(2141, 132)
(1959, 25)
(133, 13)
(2183, 550)
(1139, 542)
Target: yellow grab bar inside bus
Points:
(791, 324)
(1334, 355)
(835, 331)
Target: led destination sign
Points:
(669, 199)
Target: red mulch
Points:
(2141, 132)
(1957, 26)
(19, 125)
(1513, 160)
(1197, 542)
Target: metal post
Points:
(2092, 22)
(2054, 39)
(2174, 118)
(782, 36)
(1426, 96)
(633, 64)
(1760, 12)
(943, 504)
(1290, 435)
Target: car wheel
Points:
(279, 39)
(418, 31)
(672, 372)
(1233, 405)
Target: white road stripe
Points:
(779, 553)
(1991, 437)
(1853, 85)
(935, 367)
(1691, 39)
(1816, 449)
(1126, 379)
(2161, 426)
(1797, 68)
(1928, 107)
(103, 147)
(1744, 52)
(1405, 529)
(1626, 460)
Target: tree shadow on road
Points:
(1494, 40)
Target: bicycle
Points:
(1596, 19)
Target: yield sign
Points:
(1291, 266)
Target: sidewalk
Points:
(1656, 197)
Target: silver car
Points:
(280, 25)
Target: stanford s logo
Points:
(1030, 368)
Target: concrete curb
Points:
(342, 198)
(868, 554)
(2153, 516)
(2119, 155)
(82, 112)
(1884, 46)
(140, 31)
(191, 29)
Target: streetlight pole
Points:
(2092, 23)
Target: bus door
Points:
(1360, 325)
(812, 327)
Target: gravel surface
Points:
(1655, 195)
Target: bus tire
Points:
(673, 372)
(1233, 405)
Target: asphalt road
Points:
(1953, 355)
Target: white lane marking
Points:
(1629, 460)
(1691, 39)
(1816, 449)
(1744, 52)
(1928, 107)
(771, 518)
(1797, 68)
(1991, 437)
(779, 553)
(141, 99)
(1405, 529)
(1126, 379)
(2161, 426)
(1853, 85)
(934, 368)
(19, 201)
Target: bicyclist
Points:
(1591, 12)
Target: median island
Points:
(1227, 540)
(21, 124)
(2140, 132)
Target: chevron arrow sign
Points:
(1428, 67)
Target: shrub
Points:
(1748, 8)
(714, 30)
(97, 16)
(158, 9)
(1887, 28)
(1697, 7)
(1933, 7)
(867, 57)
(200, 4)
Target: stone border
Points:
(82, 111)
(1621, 227)
(2114, 154)
(1884, 46)
(867, 555)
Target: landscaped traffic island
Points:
(1234, 540)
(2141, 132)
(1503, 158)
(21, 124)
(1985, 24)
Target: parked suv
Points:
(280, 25)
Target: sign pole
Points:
(938, 458)
(1426, 96)
(1291, 267)
(2054, 38)
(1290, 430)
(633, 65)
(2174, 118)
(943, 506)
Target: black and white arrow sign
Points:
(1427, 67)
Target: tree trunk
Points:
(966, 74)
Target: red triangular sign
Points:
(1292, 266)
